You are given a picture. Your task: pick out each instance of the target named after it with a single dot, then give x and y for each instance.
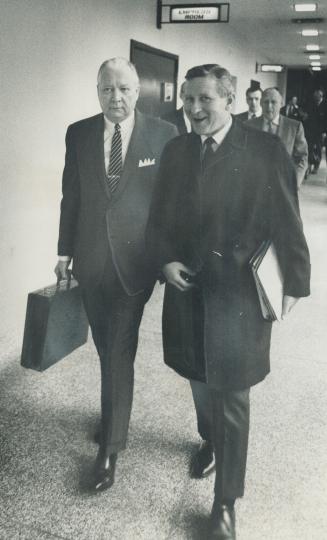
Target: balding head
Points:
(271, 103)
(118, 89)
(119, 62)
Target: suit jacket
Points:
(177, 118)
(291, 132)
(213, 222)
(92, 219)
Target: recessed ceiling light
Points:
(310, 33)
(316, 68)
(277, 68)
(314, 57)
(305, 7)
(315, 64)
(312, 47)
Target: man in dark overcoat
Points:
(222, 191)
(110, 172)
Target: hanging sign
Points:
(194, 14)
(191, 13)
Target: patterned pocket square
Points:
(146, 162)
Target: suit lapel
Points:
(95, 149)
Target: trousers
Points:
(223, 419)
(115, 319)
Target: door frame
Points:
(159, 52)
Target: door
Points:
(158, 71)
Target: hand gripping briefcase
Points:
(55, 325)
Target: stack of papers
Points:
(269, 281)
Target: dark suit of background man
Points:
(290, 131)
(109, 175)
(179, 118)
(222, 191)
(253, 99)
(316, 128)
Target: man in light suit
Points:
(290, 131)
(253, 99)
(179, 118)
(108, 179)
(223, 190)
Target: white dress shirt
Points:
(218, 136)
(274, 124)
(126, 128)
(254, 115)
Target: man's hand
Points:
(61, 269)
(172, 272)
(288, 304)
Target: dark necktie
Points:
(208, 152)
(270, 128)
(116, 160)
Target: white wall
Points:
(50, 54)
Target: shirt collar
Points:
(219, 135)
(275, 121)
(125, 125)
(257, 114)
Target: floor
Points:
(47, 421)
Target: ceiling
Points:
(268, 25)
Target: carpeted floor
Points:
(47, 421)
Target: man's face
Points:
(206, 109)
(253, 101)
(271, 103)
(318, 96)
(118, 91)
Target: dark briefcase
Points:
(55, 325)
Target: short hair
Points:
(225, 86)
(253, 89)
(118, 61)
(272, 88)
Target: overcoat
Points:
(213, 221)
(93, 219)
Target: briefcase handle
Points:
(68, 280)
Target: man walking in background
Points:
(178, 117)
(108, 179)
(316, 129)
(291, 132)
(222, 191)
(253, 99)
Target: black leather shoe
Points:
(104, 471)
(222, 525)
(202, 463)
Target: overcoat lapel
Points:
(236, 139)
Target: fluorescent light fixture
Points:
(305, 7)
(314, 57)
(315, 64)
(312, 47)
(310, 33)
(316, 68)
(277, 68)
